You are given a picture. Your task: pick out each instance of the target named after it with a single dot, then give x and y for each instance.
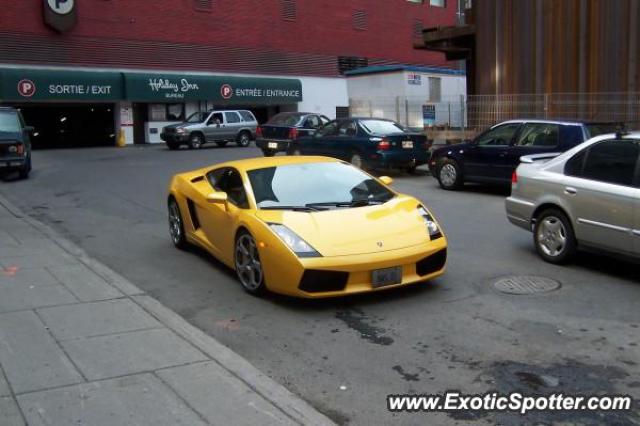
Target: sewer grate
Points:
(526, 284)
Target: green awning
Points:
(156, 87)
(59, 85)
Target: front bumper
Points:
(12, 163)
(520, 212)
(398, 159)
(174, 137)
(281, 145)
(356, 270)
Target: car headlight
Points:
(12, 149)
(432, 226)
(180, 130)
(299, 246)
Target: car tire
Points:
(221, 144)
(244, 139)
(356, 160)
(24, 171)
(173, 146)
(295, 151)
(553, 237)
(412, 170)
(268, 152)
(247, 264)
(176, 225)
(449, 175)
(196, 140)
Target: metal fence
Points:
(482, 111)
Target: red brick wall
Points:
(146, 32)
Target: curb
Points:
(293, 406)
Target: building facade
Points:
(85, 71)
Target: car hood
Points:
(360, 230)
(9, 137)
(183, 125)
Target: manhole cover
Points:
(526, 285)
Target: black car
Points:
(15, 145)
(372, 143)
(493, 155)
(277, 134)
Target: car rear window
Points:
(9, 122)
(247, 116)
(597, 129)
(380, 127)
(284, 120)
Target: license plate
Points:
(407, 144)
(272, 145)
(387, 276)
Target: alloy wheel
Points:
(448, 175)
(248, 266)
(356, 160)
(195, 142)
(245, 140)
(175, 223)
(552, 236)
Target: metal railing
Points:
(481, 111)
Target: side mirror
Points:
(29, 129)
(386, 180)
(217, 197)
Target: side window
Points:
(612, 161)
(324, 120)
(229, 181)
(312, 122)
(500, 136)
(539, 135)
(232, 117)
(573, 167)
(329, 129)
(247, 116)
(348, 128)
(215, 118)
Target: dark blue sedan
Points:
(372, 143)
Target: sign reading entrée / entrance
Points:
(61, 15)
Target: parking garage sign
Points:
(61, 15)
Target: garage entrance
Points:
(70, 125)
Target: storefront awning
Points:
(59, 85)
(156, 87)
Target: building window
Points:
(348, 63)
(288, 10)
(438, 3)
(342, 112)
(360, 20)
(202, 5)
(166, 112)
(435, 89)
(416, 1)
(418, 26)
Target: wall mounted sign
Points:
(429, 115)
(414, 79)
(50, 85)
(61, 15)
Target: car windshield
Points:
(197, 117)
(330, 184)
(9, 122)
(284, 120)
(597, 129)
(380, 127)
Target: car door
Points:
(319, 143)
(483, 155)
(349, 140)
(218, 220)
(599, 189)
(214, 129)
(233, 123)
(310, 125)
(532, 138)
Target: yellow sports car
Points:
(306, 226)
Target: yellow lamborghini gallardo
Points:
(306, 226)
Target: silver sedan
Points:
(588, 197)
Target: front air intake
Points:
(320, 281)
(432, 264)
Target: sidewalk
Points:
(81, 345)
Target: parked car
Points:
(306, 226)
(277, 134)
(366, 143)
(220, 127)
(493, 155)
(15, 144)
(587, 197)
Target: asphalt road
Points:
(345, 355)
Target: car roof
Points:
(556, 121)
(264, 162)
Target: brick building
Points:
(106, 65)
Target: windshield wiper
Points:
(356, 203)
(294, 208)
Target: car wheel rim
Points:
(356, 161)
(552, 236)
(175, 223)
(244, 140)
(448, 175)
(248, 264)
(196, 142)
(296, 152)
